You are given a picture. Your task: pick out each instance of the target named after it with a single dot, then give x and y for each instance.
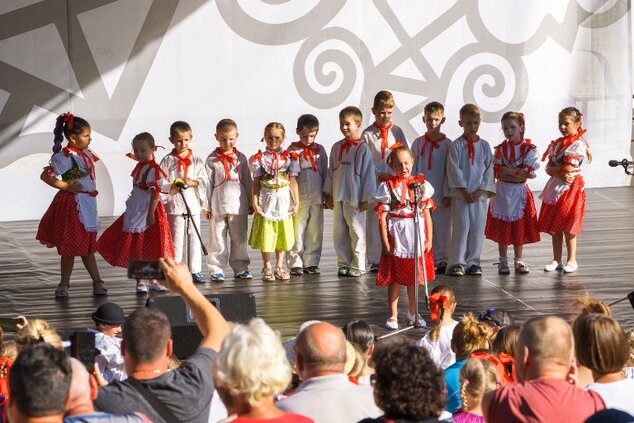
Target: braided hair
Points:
(66, 125)
(445, 290)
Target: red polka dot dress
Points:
(397, 200)
(71, 222)
(563, 204)
(130, 237)
(512, 217)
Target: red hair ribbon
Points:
(499, 366)
(68, 119)
(434, 304)
(384, 136)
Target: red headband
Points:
(434, 304)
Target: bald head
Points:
(545, 346)
(80, 389)
(321, 348)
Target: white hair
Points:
(252, 363)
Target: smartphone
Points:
(82, 347)
(141, 269)
(8, 324)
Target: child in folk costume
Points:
(182, 165)
(471, 182)
(228, 204)
(430, 159)
(142, 232)
(564, 197)
(309, 221)
(442, 305)
(275, 197)
(349, 187)
(382, 136)
(71, 222)
(396, 204)
(512, 219)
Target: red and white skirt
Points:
(401, 270)
(118, 247)
(525, 230)
(567, 214)
(61, 227)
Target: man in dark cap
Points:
(108, 320)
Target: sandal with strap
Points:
(267, 275)
(99, 289)
(62, 290)
(282, 274)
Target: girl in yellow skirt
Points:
(274, 201)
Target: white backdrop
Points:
(132, 66)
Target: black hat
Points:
(109, 314)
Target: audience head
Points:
(469, 335)
(506, 340)
(360, 334)
(320, 349)
(146, 337)
(35, 332)
(83, 388)
(10, 350)
(587, 305)
(38, 383)
(545, 347)
(442, 304)
(252, 364)
(477, 377)
(407, 384)
(600, 344)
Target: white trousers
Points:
(441, 232)
(467, 232)
(373, 235)
(309, 234)
(179, 235)
(223, 251)
(349, 235)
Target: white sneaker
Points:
(553, 265)
(141, 288)
(503, 268)
(392, 323)
(410, 320)
(571, 267)
(157, 287)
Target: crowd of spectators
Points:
(541, 371)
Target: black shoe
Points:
(374, 268)
(441, 268)
(312, 270)
(474, 270)
(297, 271)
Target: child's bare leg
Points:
(90, 263)
(66, 264)
(558, 245)
(518, 250)
(571, 246)
(503, 250)
(279, 259)
(266, 259)
(393, 291)
(411, 299)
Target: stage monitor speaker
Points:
(238, 307)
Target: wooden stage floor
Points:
(29, 273)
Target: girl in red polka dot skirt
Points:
(395, 204)
(71, 222)
(142, 232)
(564, 197)
(512, 218)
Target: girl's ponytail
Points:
(58, 134)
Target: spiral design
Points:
(334, 71)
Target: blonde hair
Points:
(470, 335)
(383, 99)
(434, 334)
(477, 377)
(10, 350)
(588, 305)
(275, 125)
(630, 341)
(506, 340)
(353, 111)
(469, 110)
(36, 331)
(252, 363)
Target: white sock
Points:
(504, 260)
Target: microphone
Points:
(180, 183)
(624, 163)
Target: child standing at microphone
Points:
(186, 169)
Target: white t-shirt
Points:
(619, 394)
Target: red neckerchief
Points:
(183, 162)
(136, 172)
(434, 304)
(347, 145)
(395, 182)
(561, 144)
(89, 159)
(509, 366)
(471, 147)
(227, 160)
(432, 146)
(384, 133)
(308, 153)
(506, 151)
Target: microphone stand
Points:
(417, 250)
(189, 222)
(625, 166)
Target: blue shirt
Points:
(452, 381)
